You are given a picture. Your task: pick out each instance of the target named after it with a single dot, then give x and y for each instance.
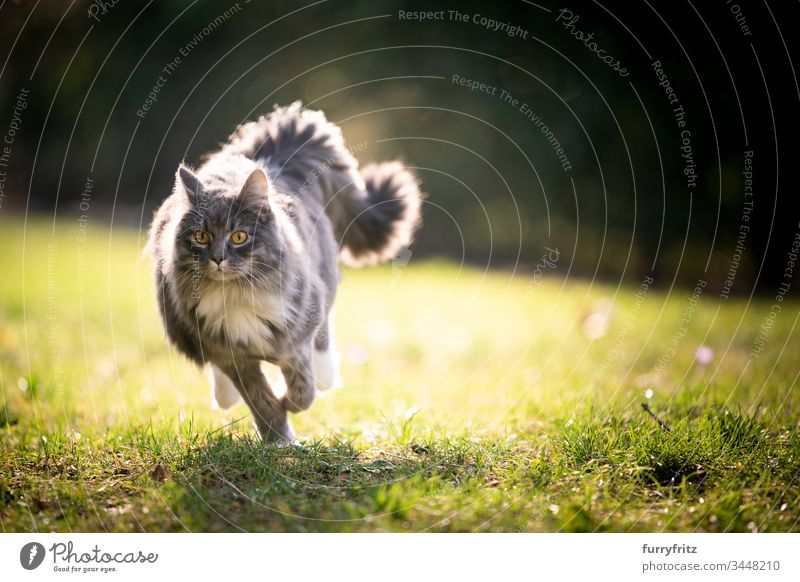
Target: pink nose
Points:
(217, 260)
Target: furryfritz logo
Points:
(31, 555)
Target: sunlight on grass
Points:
(473, 401)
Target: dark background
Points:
(496, 191)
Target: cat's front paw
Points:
(278, 433)
(297, 401)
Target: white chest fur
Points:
(241, 313)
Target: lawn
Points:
(473, 401)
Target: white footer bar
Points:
(355, 557)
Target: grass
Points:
(473, 402)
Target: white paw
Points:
(326, 369)
(225, 393)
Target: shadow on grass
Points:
(237, 483)
(142, 479)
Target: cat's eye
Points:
(238, 236)
(202, 237)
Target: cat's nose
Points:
(217, 259)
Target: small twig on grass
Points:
(646, 408)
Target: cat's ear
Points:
(186, 181)
(256, 188)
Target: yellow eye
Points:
(238, 236)
(202, 237)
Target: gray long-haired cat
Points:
(246, 251)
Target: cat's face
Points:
(226, 237)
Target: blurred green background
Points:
(497, 191)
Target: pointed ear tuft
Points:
(256, 188)
(187, 181)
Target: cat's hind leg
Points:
(225, 392)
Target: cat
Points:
(246, 252)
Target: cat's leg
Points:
(326, 358)
(225, 392)
(299, 377)
(268, 411)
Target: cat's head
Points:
(226, 236)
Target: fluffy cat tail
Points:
(376, 223)
(374, 211)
